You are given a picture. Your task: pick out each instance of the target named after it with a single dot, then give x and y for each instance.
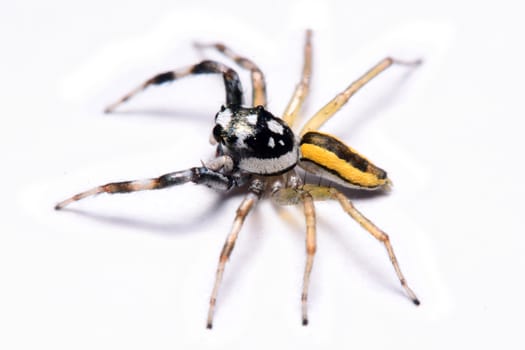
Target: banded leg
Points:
(291, 196)
(375, 231)
(309, 213)
(342, 98)
(243, 210)
(301, 90)
(257, 76)
(198, 175)
(288, 196)
(232, 82)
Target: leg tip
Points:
(209, 325)
(61, 205)
(416, 62)
(416, 302)
(305, 322)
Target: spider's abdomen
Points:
(257, 141)
(326, 156)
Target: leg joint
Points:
(311, 249)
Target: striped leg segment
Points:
(342, 98)
(301, 90)
(257, 76)
(243, 210)
(198, 175)
(291, 196)
(232, 82)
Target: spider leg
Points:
(232, 82)
(342, 98)
(301, 90)
(246, 205)
(198, 175)
(306, 195)
(379, 234)
(289, 196)
(311, 245)
(257, 76)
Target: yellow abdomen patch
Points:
(324, 155)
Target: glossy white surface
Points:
(135, 271)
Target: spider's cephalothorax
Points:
(257, 148)
(257, 141)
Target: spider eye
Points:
(217, 131)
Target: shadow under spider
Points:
(164, 227)
(163, 113)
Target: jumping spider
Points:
(257, 149)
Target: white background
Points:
(135, 271)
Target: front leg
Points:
(232, 83)
(257, 76)
(199, 175)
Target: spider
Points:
(259, 152)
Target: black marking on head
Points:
(343, 152)
(259, 142)
(283, 142)
(250, 140)
(163, 78)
